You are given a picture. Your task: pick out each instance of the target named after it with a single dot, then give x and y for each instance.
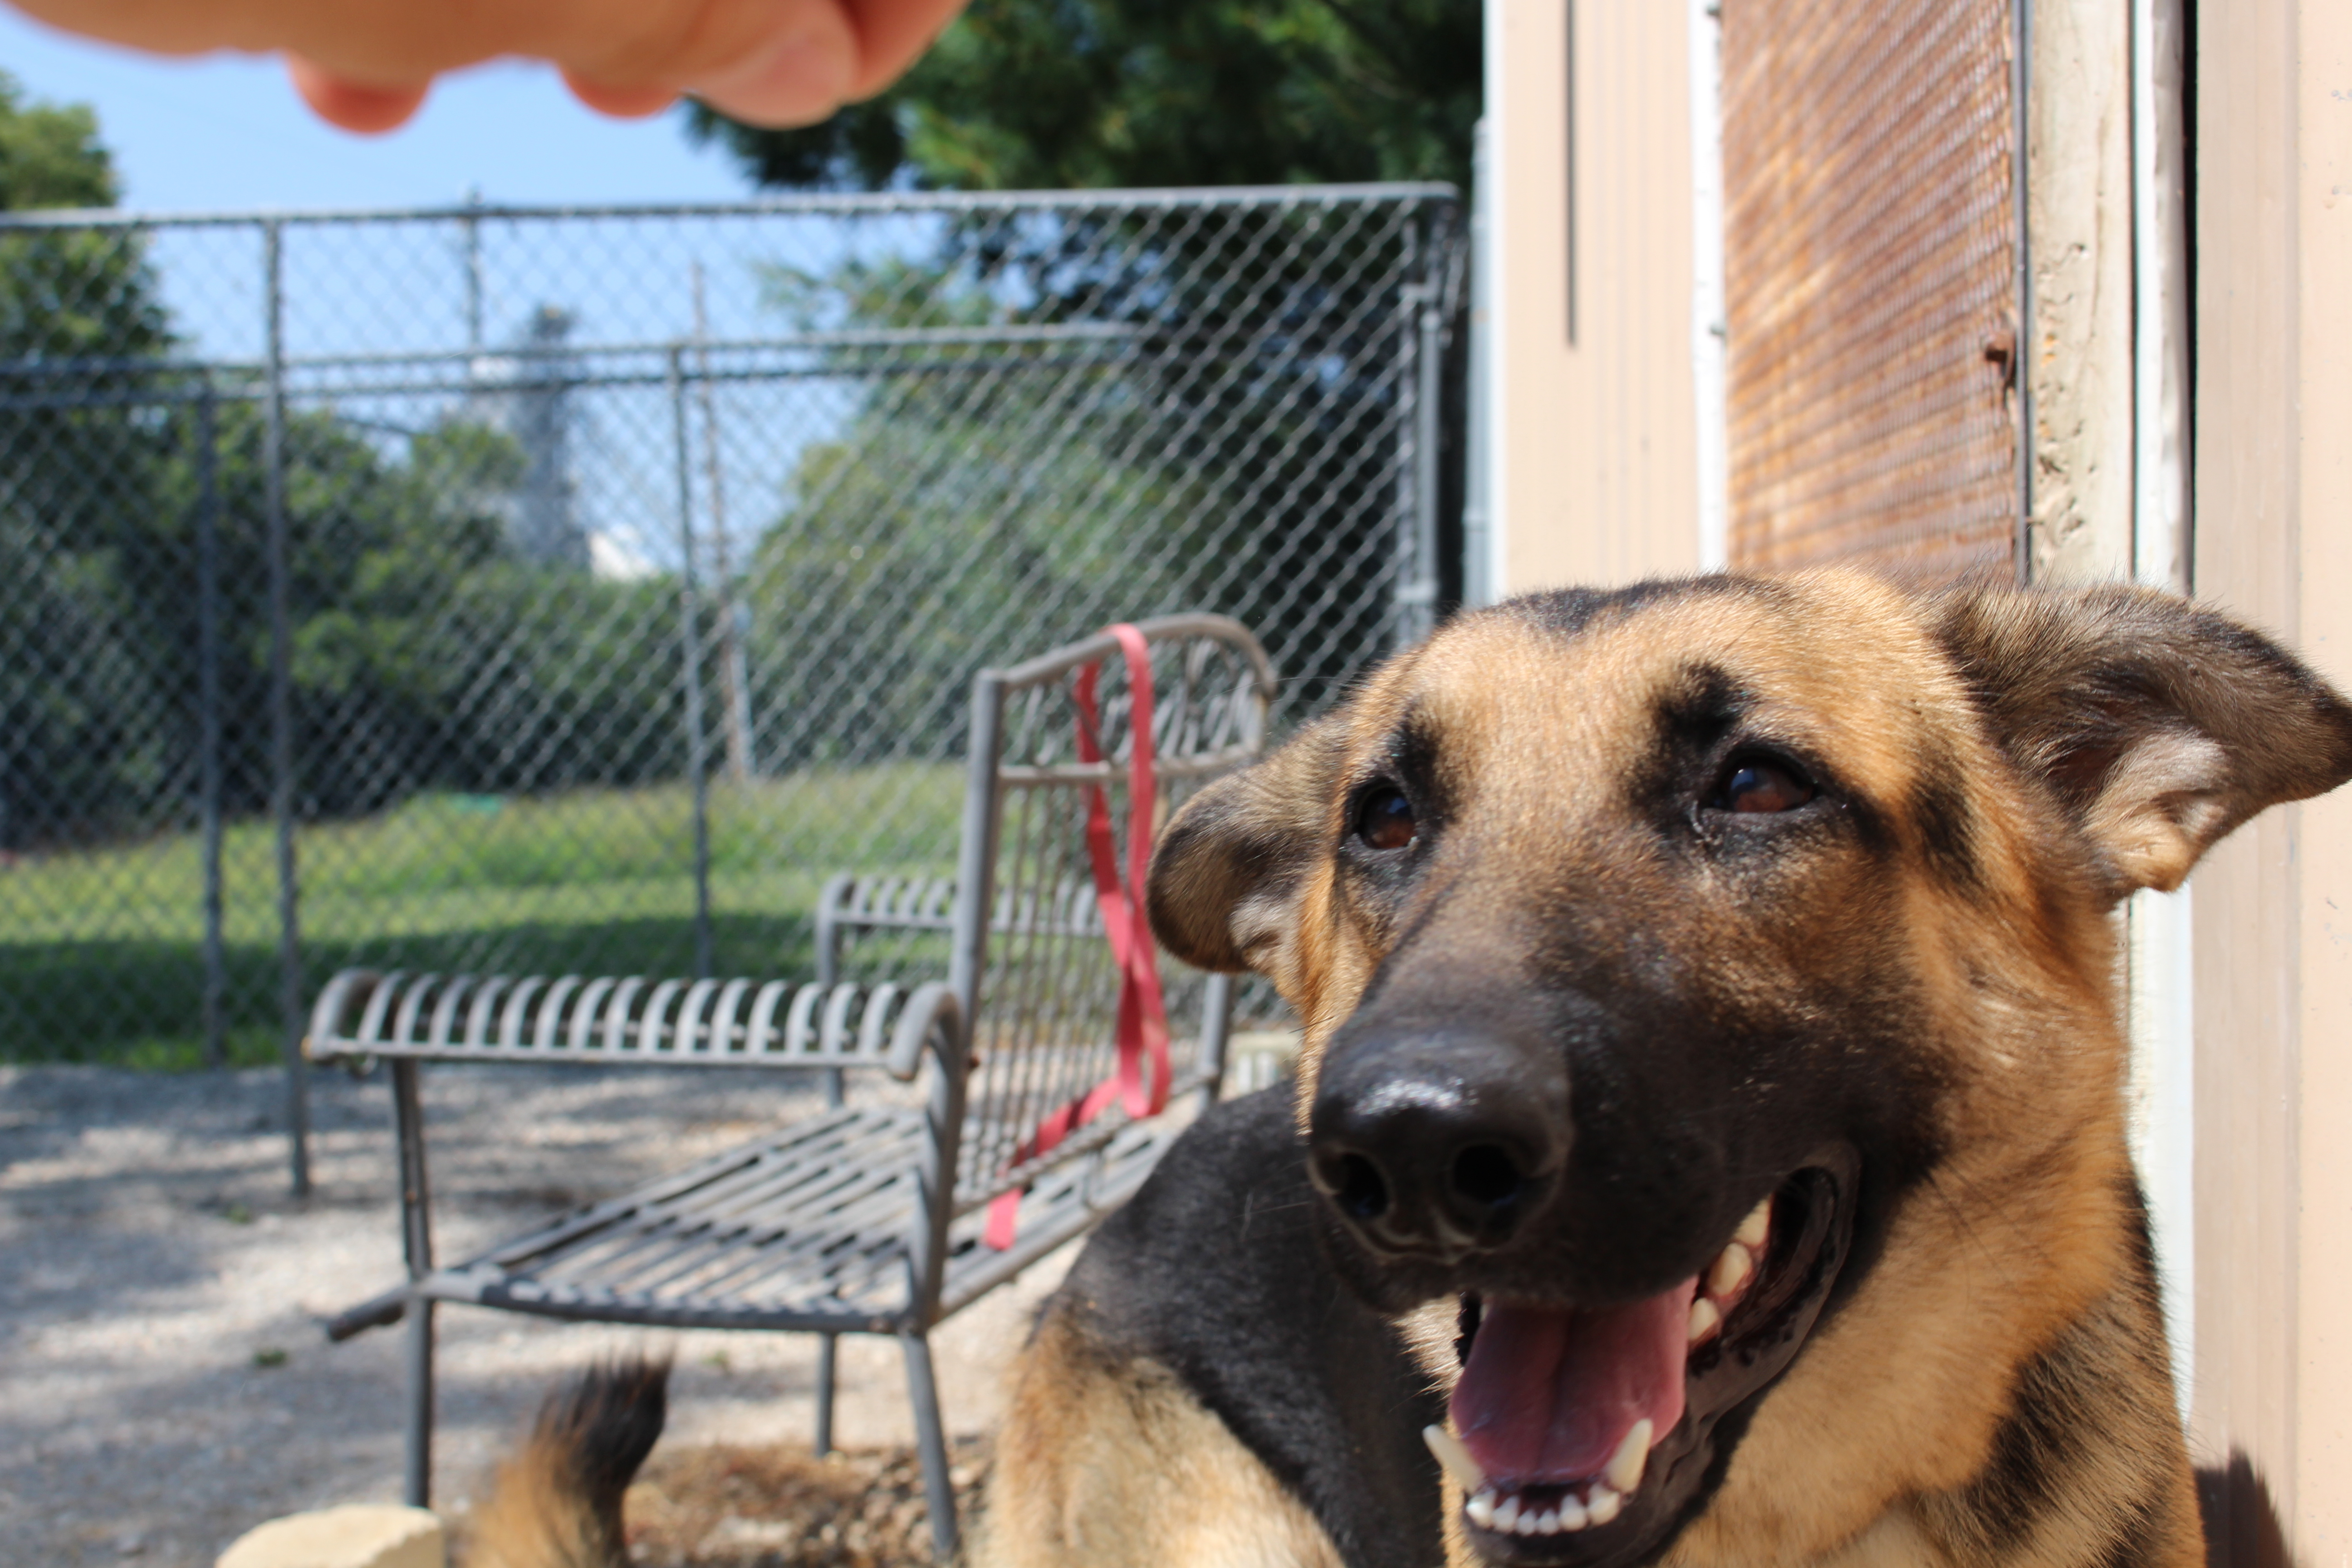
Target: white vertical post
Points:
(1490, 449)
(2160, 521)
(1479, 572)
(1709, 348)
(2159, 949)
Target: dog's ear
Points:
(1225, 871)
(2157, 726)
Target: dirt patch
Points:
(726, 1505)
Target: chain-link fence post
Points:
(689, 607)
(208, 721)
(282, 714)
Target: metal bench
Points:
(1044, 1093)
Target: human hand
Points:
(365, 65)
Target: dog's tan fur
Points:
(1119, 1464)
(1997, 1392)
(556, 1502)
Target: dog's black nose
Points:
(1434, 1143)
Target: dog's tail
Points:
(557, 1503)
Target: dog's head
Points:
(1709, 991)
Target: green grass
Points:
(101, 951)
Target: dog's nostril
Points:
(1485, 1176)
(1360, 1189)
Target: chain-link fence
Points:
(574, 591)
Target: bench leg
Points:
(825, 1346)
(419, 1488)
(931, 1441)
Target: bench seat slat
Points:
(776, 1256)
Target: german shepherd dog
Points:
(1710, 1123)
(1710, 1135)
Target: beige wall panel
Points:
(1596, 477)
(2242, 1403)
(2322, 1373)
(2274, 482)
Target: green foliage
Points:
(79, 317)
(1051, 94)
(423, 653)
(946, 512)
(66, 292)
(50, 153)
(888, 580)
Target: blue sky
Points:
(226, 132)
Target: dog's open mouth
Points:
(1585, 1435)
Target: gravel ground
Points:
(164, 1383)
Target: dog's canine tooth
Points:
(1600, 1504)
(1506, 1517)
(1481, 1508)
(1453, 1458)
(1732, 1267)
(1571, 1514)
(1756, 1227)
(1624, 1471)
(1704, 1319)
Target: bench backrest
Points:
(1045, 836)
(1037, 977)
(614, 1019)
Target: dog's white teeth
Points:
(1732, 1267)
(1704, 1319)
(1624, 1471)
(1755, 1227)
(1510, 1513)
(1455, 1458)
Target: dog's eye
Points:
(1755, 784)
(1385, 819)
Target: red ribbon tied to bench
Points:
(1143, 1029)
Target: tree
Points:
(1051, 94)
(81, 326)
(886, 581)
(423, 653)
(49, 154)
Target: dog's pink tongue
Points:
(1548, 1395)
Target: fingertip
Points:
(893, 35)
(620, 102)
(357, 106)
(799, 78)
